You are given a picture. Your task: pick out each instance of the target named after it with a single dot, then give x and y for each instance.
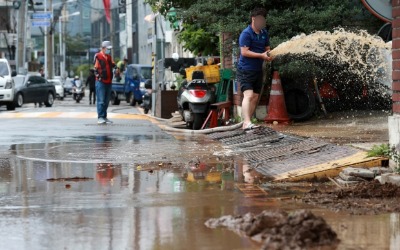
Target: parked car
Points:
(59, 88)
(6, 85)
(59, 78)
(68, 86)
(33, 88)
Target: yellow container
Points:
(211, 73)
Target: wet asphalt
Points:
(68, 183)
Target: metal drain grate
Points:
(306, 146)
(227, 134)
(303, 160)
(267, 144)
(259, 141)
(251, 136)
(274, 154)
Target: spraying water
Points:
(366, 56)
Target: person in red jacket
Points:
(103, 66)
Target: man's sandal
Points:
(250, 126)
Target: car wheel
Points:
(50, 100)
(20, 100)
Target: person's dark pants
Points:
(92, 92)
(103, 93)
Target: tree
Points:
(286, 18)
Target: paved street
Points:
(116, 207)
(68, 183)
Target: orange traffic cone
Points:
(277, 107)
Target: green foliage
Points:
(85, 70)
(255, 121)
(286, 18)
(179, 80)
(198, 40)
(382, 150)
(237, 119)
(75, 44)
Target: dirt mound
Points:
(279, 230)
(368, 190)
(363, 198)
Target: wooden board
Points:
(331, 169)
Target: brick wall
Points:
(396, 56)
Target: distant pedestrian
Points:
(41, 72)
(122, 65)
(91, 83)
(104, 65)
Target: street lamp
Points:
(62, 45)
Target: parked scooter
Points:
(194, 99)
(146, 104)
(77, 91)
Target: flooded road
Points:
(119, 207)
(133, 186)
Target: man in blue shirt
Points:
(254, 47)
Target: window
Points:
(41, 80)
(146, 73)
(19, 81)
(4, 69)
(131, 72)
(34, 80)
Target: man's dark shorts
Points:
(250, 80)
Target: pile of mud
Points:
(279, 230)
(372, 189)
(363, 198)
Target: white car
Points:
(59, 88)
(7, 87)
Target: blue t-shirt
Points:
(256, 43)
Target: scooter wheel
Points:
(198, 121)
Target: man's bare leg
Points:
(248, 106)
(254, 104)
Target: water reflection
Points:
(121, 208)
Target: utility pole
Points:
(49, 49)
(21, 36)
(112, 32)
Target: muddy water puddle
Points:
(156, 205)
